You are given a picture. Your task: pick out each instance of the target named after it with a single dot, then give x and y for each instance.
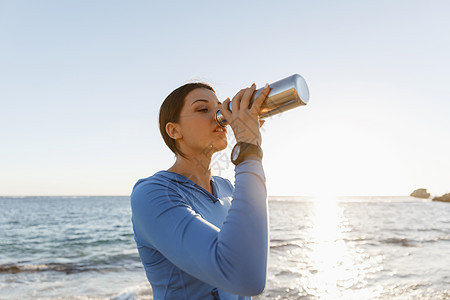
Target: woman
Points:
(198, 236)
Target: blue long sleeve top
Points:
(198, 245)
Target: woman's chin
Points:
(222, 145)
(214, 146)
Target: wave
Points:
(444, 238)
(356, 239)
(275, 244)
(402, 242)
(67, 268)
(139, 291)
(59, 267)
(414, 243)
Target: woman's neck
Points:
(196, 169)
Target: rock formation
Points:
(420, 193)
(443, 198)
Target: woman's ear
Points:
(173, 130)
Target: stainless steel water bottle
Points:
(284, 95)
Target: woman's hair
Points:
(171, 108)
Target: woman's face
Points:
(200, 133)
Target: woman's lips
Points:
(221, 130)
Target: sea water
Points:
(320, 248)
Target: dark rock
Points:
(421, 193)
(443, 198)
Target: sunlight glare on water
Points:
(338, 270)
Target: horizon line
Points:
(111, 195)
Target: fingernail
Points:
(266, 86)
(253, 85)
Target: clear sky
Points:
(81, 83)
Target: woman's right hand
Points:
(244, 118)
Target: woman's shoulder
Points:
(162, 180)
(161, 177)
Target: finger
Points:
(247, 96)
(225, 109)
(226, 105)
(236, 103)
(261, 97)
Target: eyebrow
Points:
(204, 100)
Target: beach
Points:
(320, 248)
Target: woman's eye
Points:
(202, 110)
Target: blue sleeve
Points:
(233, 258)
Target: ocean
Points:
(320, 248)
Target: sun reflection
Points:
(335, 272)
